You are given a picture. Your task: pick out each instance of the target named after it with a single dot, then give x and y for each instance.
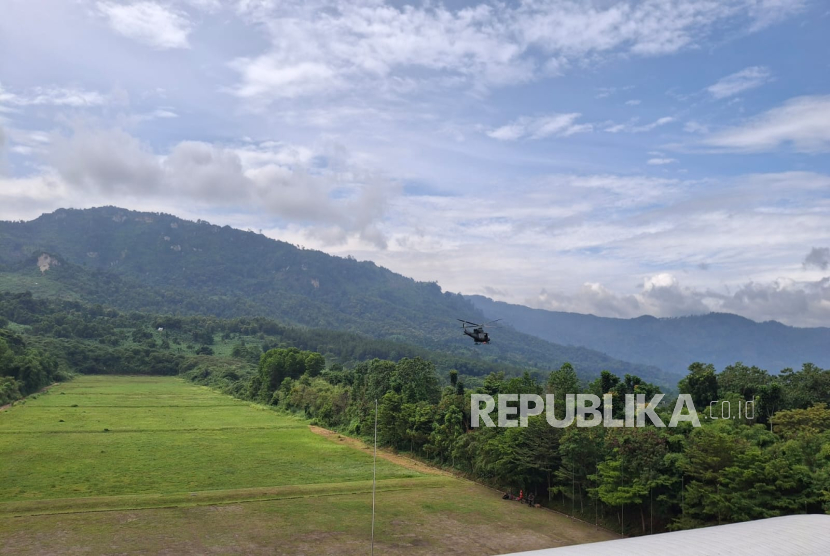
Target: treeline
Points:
(640, 479)
(788, 389)
(23, 370)
(100, 328)
(735, 467)
(160, 264)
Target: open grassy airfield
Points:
(155, 465)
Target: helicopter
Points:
(478, 334)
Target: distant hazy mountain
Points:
(161, 263)
(672, 343)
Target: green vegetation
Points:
(729, 470)
(92, 339)
(160, 264)
(23, 370)
(162, 436)
(124, 302)
(81, 458)
(641, 479)
(425, 411)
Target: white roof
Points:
(792, 535)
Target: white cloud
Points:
(405, 87)
(695, 127)
(559, 125)
(657, 123)
(632, 102)
(148, 22)
(659, 295)
(631, 128)
(661, 161)
(801, 123)
(556, 231)
(157, 114)
(71, 97)
(106, 161)
(323, 47)
(340, 200)
(801, 303)
(509, 132)
(3, 151)
(739, 82)
(270, 75)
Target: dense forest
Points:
(91, 339)
(640, 480)
(24, 370)
(161, 264)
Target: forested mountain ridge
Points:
(670, 343)
(163, 264)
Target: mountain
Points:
(672, 343)
(160, 263)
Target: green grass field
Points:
(178, 465)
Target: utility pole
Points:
(374, 475)
(622, 506)
(573, 489)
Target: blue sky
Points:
(607, 157)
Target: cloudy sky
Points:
(621, 158)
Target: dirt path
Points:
(421, 467)
(385, 454)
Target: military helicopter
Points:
(478, 334)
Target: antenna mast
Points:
(374, 475)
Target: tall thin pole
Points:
(622, 506)
(573, 490)
(596, 499)
(374, 475)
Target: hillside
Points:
(671, 343)
(160, 263)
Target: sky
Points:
(618, 158)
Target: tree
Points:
(804, 387)
(278, 364)
(416, 380)
(769, 401)
(701, 383)
(743, 380)
(378, 379)
(563, 381)
(633, 470)
(314, 363)
(419, 419)
(391, 428)
(580, 451)
(709, 451)
(793, 422)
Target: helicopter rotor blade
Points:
(468, 322)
